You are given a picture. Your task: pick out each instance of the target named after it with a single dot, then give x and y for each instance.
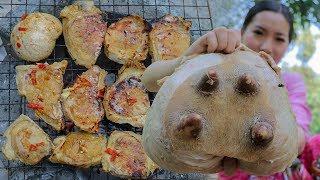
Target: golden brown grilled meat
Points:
(83, 31)
(34, 37)
(125, 156)
(26, 141)
(169, 38)
(42, 85)
(82, 103)
(127, 101)
(127, 40)
(78, 149)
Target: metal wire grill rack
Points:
(12, 104)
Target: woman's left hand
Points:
(219, 39)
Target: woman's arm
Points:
(156, 71)
(297, 93)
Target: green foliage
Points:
(312, 81)
(307, 45)
(305, 11)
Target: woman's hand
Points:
(219, 39)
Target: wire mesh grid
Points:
(12, 104)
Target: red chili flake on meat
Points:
(32, 76)
(34, 147)
(113, 153)
(131, 100)
(83, 82)
(40, 144)
(18, 45)
(23, 17)
(35, 106)
(100, 93)
(22, 29)
(41, 65)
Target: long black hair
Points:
(270, 5)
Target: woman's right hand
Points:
(220, 39)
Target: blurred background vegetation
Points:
(307, 14)
(304, 46)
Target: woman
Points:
(268, 27)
